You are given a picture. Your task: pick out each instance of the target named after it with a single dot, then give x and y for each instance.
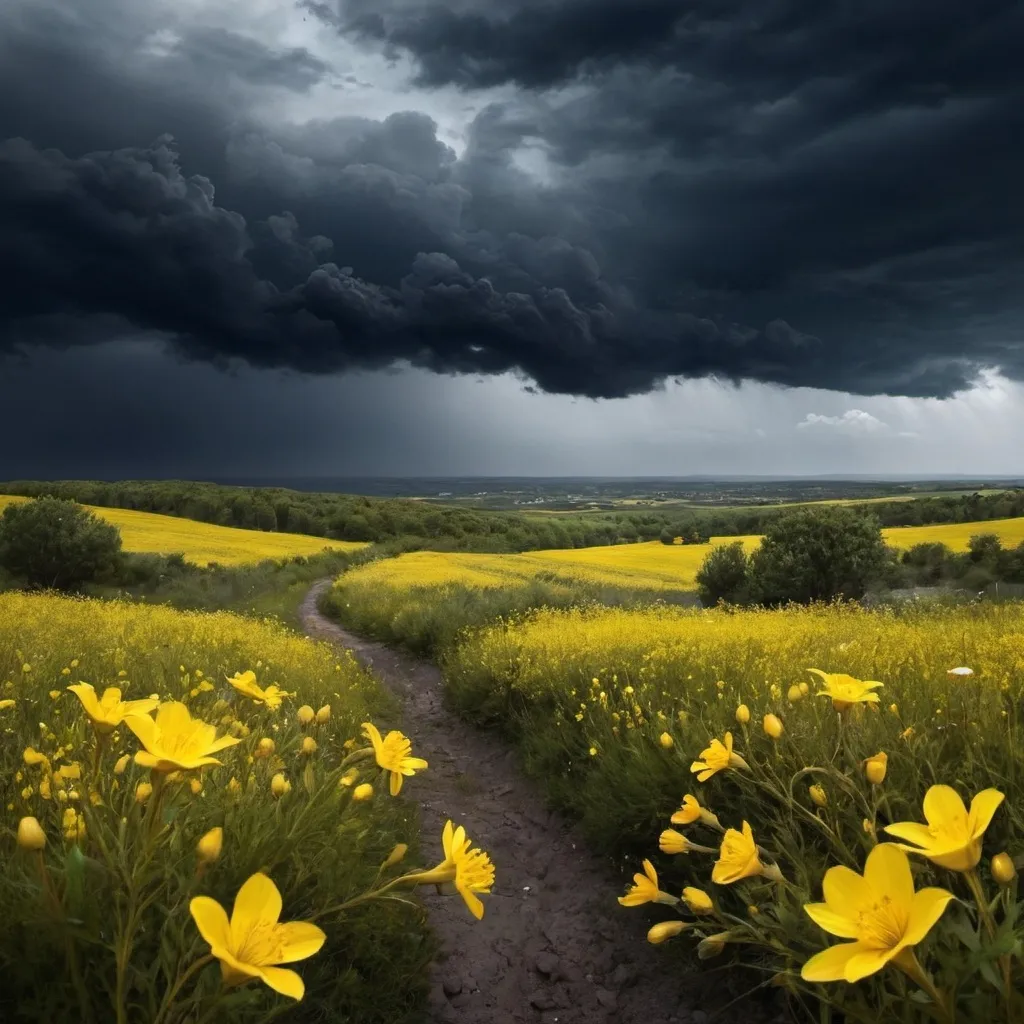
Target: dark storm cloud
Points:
(749, 191)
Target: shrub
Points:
(106, 909)
(54, 543)
(817, 554)
(723, 575)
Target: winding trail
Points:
(553, 946)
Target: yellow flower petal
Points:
(834, 923)
(212, 921)
(831, 964)
(258, 903)
(299, 939)
(927, 907)
(983, 806)
(942, 804)
(282, 980)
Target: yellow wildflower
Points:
(362, 792)
(7, 703)
(471, 871)
(738, 858)
(254, 942)
(878, 910)
(689, 812)
(245, 683)
(645, 889)
(665, 739)
(121, 764)
(109, 711)
(773, 726)
(305, 714)
(323, 714)
(818, 795)
(844, 690)
(393, 754)
(743, 714)
(952, 837)
(795, 693)
(175, 740)
(143, 791)
(671, 841)
(717, 757)
(265, 747)
(308, 746)
(279, 785)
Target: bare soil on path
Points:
(554, 946)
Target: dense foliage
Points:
(57, 544)
(439, 527)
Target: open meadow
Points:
(155, 764)
(204, 543)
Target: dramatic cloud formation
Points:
(785, 192)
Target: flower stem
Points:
(168, 1000)
(911, 967)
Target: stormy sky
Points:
(511, 237)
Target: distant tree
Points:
(984, 548)
(55, 543)
(667, 536)
(817, 554)
(723, 575)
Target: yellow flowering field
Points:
(647, 566)
(956, 535)
(202, 543)
(832, 795)
(201, 821)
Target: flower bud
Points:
(795, 693)
(698, 901)
(122, 764)
(279, 786)
(30, 834)
(234, 786)
(143, 791)
(743, 714)
(323, 715)
(875, 768)
(671, 841)
(665, 930)
(209, 846)
(665, 739)
(364, 791)
(305, 714)
(818, 795)
(773, 726)
(396, 855)
(308, 746)
(1003, 870)
(348, 779)
(805, 689)
(712, 946)
(265, 747)
(196, 786)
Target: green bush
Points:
(57, 544)
(817, 554)
(723, 575)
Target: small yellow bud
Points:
(364, 791)
(869, 827)
(818, 795)
(308, 746)
(196, 786)
(143, 791)
(908, 733)
(894, 708)
(396, 855)
(305, 714)
(1003, 870)
(698, 901)
(209, 846)
(5, 704)
(348, 779)
(323, 714)
(875, 768)
(805, 689)
(265, 747)
(712, 946)
(122, 763)
(665, 739)
(743, 714)
(795, 693)
(279, 786)
(665, 930)
(671, 841)
(176, 777)
(773, 726)
(234, 786)
(30, 834)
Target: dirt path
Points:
(553, 946)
